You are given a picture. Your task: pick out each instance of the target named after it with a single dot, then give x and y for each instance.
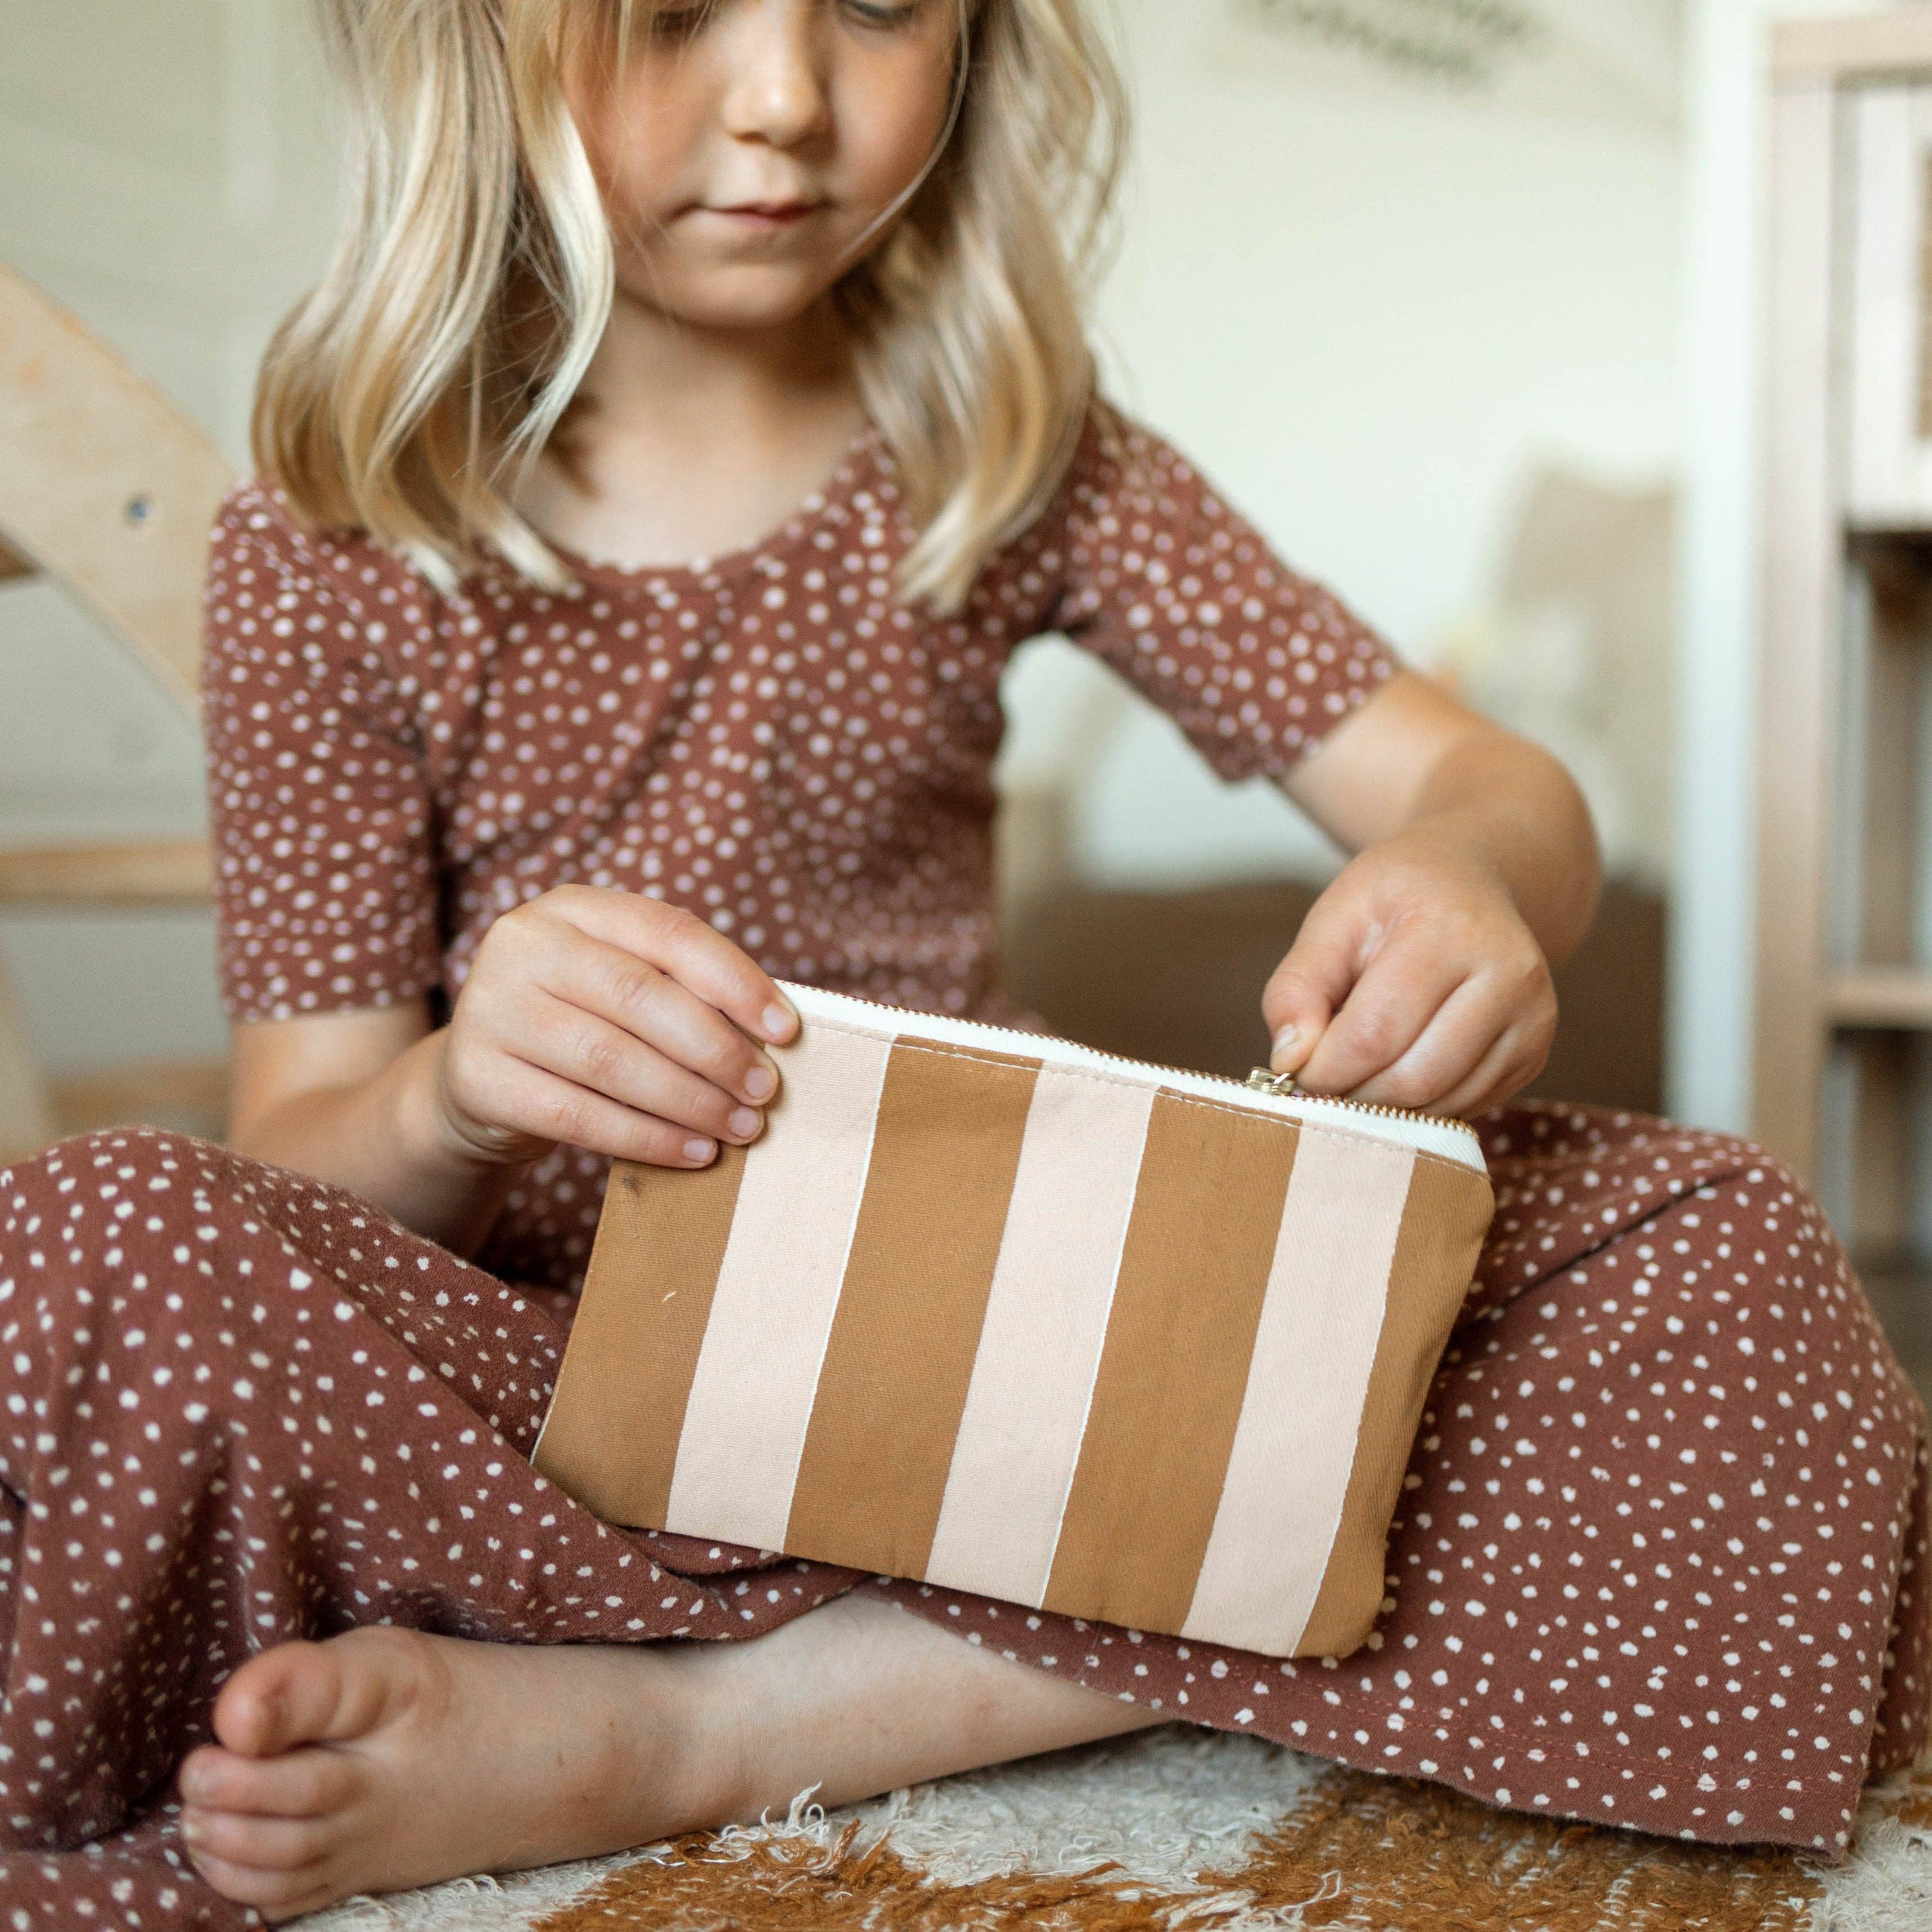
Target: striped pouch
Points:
(1009, 1315)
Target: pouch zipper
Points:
(1426, 1131)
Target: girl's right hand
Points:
(609, 1022)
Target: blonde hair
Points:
(474, 276)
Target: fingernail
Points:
(700, 1151)
(779, 1023)
(744, 1123)
(1285, 1041)
(192, 1829)
(761, 1083)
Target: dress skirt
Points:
(1659, 1561)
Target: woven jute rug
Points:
(1182, 1830)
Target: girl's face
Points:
(748, 150)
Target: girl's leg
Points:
(239, 1409)
(386, 1758)
(1660, 1556)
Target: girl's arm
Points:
(341, 1096)
(603, 1020)
(1421, 978)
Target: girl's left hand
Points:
(1414, 983)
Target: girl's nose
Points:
(778, 91)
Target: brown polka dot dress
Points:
(1661, 1560)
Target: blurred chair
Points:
(110, 492)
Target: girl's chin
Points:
(745, 294)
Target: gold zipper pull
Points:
(1279, 1086)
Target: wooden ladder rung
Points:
(164, 1090)
(176, 872)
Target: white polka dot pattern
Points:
(1661, 1560)
(770, 739)
(237, 1407)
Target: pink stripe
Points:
(777, 1290)
(1288, 1476)
(1039, 1349)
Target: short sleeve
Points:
(319, 802)
(1187, 600)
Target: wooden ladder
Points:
(108, 490)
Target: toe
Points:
(275, 1895)
(298, 1784)
(302, 1693)
(288, 1845)
(294, 1694)
(274, 1701)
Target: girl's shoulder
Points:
(1124, 489)
(1119, 463)
(272, 576)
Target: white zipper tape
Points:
(1449, 1139)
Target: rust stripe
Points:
(611, 1439)
(1443, 1226)
(893, 1386)
(1166, 1402)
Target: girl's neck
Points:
(655, 373)
(689, 442)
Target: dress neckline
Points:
(864, 453)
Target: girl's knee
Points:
(106, 1159)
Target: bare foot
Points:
(385, 1759)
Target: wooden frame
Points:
(1797, 654)
(105, 484)
(1852, 47)
(109, 490)
(1845, 647)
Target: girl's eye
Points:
(678, 23)
(874, 16)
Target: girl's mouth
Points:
(769, 214)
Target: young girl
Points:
(695, 419)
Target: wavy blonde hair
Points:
(473, 278)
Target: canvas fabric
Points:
(1075, 1339)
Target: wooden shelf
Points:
(1882, 998)
(1870, 530)
(177, 872)
(1845, 641)
(1857, 47)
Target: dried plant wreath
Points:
(1466, 43)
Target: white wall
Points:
(1364, 314)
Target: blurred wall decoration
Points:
(1561, 55)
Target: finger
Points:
(1507, 1024)
(1454, 1041)
(1387, 1010)
(647, 1004)
(589, 1052)
(699, 958)
(1511, 1065)
(542, 1103)
(1308, 987)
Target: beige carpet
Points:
(1182, 1830)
